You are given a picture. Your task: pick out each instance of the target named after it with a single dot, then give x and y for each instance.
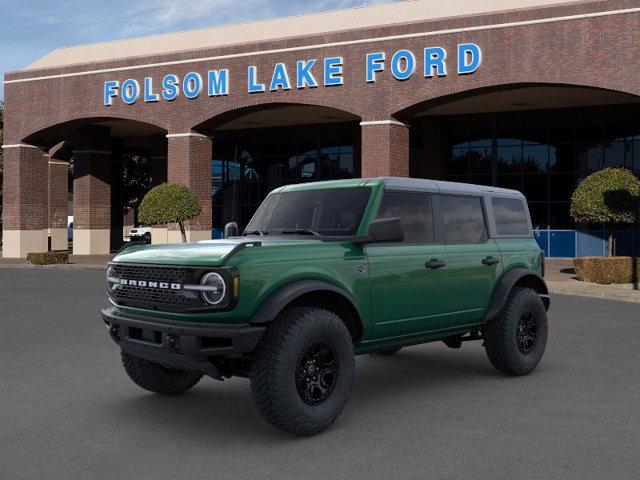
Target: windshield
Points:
(327, 212)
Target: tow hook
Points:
(114, 331)
(173, 343)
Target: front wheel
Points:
(303, 370)
(156, 378)
(516, 339)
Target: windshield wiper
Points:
(255, 232)
(300, 231)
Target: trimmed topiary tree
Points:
(169, 203)
(611, 195)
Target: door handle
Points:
(490, 261)
(434, 263)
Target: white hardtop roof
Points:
(286, 27)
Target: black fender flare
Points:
(278, 300)
(506, 283)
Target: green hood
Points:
(206, 253)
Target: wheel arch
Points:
(312, 293)
(516, 277)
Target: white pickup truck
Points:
(141, 233)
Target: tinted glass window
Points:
(415, 211)
(511, 216)
(463, 219)
(329, 212)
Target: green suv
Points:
(326, 271)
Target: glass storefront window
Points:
(510, 159)
(249, 164)
(544, 154)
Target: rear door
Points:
(475, 263)
(409, 280)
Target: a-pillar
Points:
(189, 164)
(58, 192)
(25, 211)
(159, 233)
(92, 192)
(385, 149)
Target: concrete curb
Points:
(67, 266)
(631, 297)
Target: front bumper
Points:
(180, 345)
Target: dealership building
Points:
(527, 94)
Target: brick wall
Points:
(600, 51)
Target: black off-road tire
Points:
(387, 351)
(507, 348)
(276, 372)
(156, 378)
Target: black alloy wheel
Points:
(527, 333)
(316, 373)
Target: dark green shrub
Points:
(610, 196)
(48, 258)
(169, 203)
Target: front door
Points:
(409, 280)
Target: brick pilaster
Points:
(385, 149)
(92, 192)
(189, 164)
(25, 210)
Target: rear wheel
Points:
(516, 339)
(303, 370)
(156, 378)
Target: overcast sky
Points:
(30, 29)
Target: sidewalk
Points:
(92, 262)
(560, 277)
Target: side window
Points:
(463, 219)
(511, 216)
(415, 211)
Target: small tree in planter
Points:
(611, 195)
(169, 203)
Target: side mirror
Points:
(231, 230)
(385, 230)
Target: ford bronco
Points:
(326, 271)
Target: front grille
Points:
(155, 298)
(153, 272)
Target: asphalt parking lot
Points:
(67, 409)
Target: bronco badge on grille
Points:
(149, 284)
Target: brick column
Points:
(58, 191)
(189, 164)
(92, 192)
(385, 149)
(159, 233)
(25, 211)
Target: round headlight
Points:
(112, 281)
(215, 288)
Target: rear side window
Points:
(415, 211)
(511, 216)
(463, 219)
